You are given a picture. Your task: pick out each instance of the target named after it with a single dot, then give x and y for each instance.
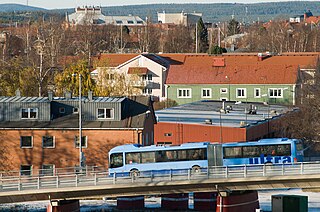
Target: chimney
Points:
(50, 95)
(90, 95)
(18, 94)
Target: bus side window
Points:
(161, 156)
(182, 155)
(284, 150)
(147, 157)
(116, 160)
(132, 157)
(172, 155)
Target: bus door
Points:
(215, 155)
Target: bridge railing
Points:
(97, 178)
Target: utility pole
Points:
(197, 37)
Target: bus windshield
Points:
(116, 160)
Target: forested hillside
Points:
(211, 12)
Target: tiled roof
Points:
(240, 69)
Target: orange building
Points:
(43, 132)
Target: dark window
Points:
(163, 143)
(133, 157)
(75, 110)
(25, 169)
(251, 151)
(168, 134)
(47, 169)
(299, 146)
(197, 154)
(268, 149)
(116, 160)
(47, 141)
(161, 156)
(147, 157)
(284, 150)
(118, 22)
(29, 113)
(26, 141)
(130, 22)
(139, 22)
(62, 110)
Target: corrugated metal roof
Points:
(24, 99)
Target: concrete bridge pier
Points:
(175, 201)
(63, 206)
(130, 203)
(205, 201)
(237, 201)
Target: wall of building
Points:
(288, 93)
(64, 154)
(178, 133)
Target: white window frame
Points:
(244, 90)
(223, 90)
(147, 91)
(206, 89)
(254, 92)
(184, 89)
(105, 113)
(76, 141)
(26, 147)
(25, 170)
(275, 89)
(54, 142)
(29, 111)
(44, 171)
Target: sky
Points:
(58, 4)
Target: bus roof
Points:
(262, 142)
(138, 147)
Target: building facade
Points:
(43, 132)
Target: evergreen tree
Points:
(202, 37)
(217, 50)
(233, 27)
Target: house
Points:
(43, 132)
(246, 77)
(218, 121)
(148, 71)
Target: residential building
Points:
(218, 121)
(246, 77)
(40, 132)
(183, 18)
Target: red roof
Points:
(113, 60)
(240, 69)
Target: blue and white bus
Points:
(133, 158)
(264, 151)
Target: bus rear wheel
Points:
(134, 173)
(196, 169)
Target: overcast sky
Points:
(57, 4)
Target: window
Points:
(116, 160)
(147, 91)
(275, 92)
(149, 77)
(223, 90)
(25, 170)
(133, 157)
(29, 113)
(241, 92)
(118, 21)
(105, 113)
(110, 76)
(184, 93)
(84, 142)
(26, 142)
(257, 93)
(251, 151)
(75, 110)
(139, 22)
(62, 110)
(47, 169)
(147, 157)
(130, 22)
(168, 134)
(160, 143)
(206, 93)
(48, 142)
(283, 150)
(232, 152)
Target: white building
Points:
(183, 18)
(93, 15)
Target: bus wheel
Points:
(196, 169)
(134, 173)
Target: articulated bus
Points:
(131, 159)
(264, 151)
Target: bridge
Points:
(97, 183)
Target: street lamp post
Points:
(81, 156)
